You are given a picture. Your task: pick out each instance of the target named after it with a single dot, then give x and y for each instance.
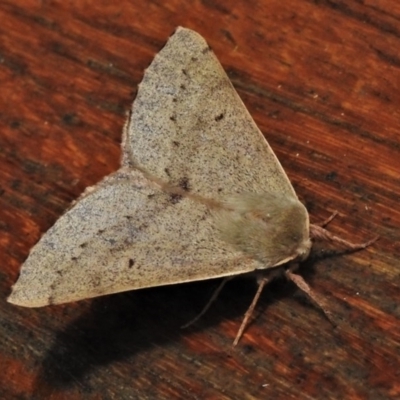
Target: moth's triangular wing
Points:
(123, 234)
(189, 127)
(189, 124)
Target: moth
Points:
(200, 194)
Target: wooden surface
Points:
(322, 81)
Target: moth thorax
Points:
(270, 227)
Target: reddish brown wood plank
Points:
(322, 80)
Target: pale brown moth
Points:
(199, 195)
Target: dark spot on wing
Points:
(219, 117)
(175, 143)
(194, 59)
(184, 72)
(172, 118)
(131, 263)
(206, 50)
(184, 183)
(183, 87)
(50, 299)
(166, 170)
(175, 198)
(74, 258)
(83, 245)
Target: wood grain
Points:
(322, 80)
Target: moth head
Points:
(270, 227)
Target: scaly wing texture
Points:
(189, 124)
(123, 234)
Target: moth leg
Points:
(305, 288)
(318, 232)
(262, 281)
(215, 294)
(326, 221)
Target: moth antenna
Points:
(328, 220)
(304, 287)
(318, 232)
(213, 297)
(261, 283)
